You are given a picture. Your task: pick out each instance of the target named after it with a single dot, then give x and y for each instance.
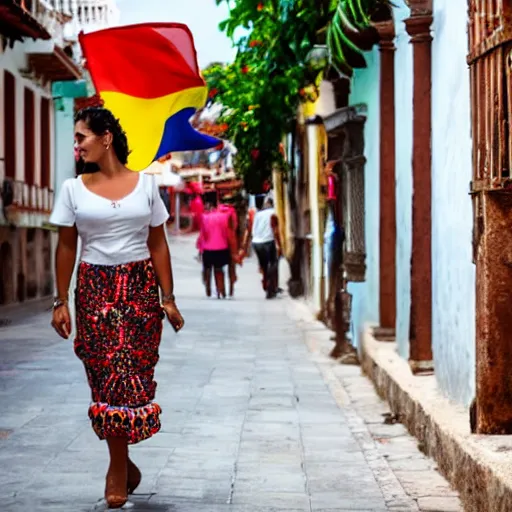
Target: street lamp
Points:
(318, 57)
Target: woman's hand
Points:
(173, 315)
(61, 321)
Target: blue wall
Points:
(365, 296)
(64, 134)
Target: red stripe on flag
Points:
(149, 60)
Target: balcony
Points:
(21, 19)
(60, 20)
(87, 15)
(31, 198)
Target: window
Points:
(29, 136)
(10, 124)
(45, 143)
(352, 201)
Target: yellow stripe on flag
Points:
(144, 120)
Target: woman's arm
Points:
(161, 257)
(247, 236)
(275, 229)
(65, 258)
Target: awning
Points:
(195, 172)
(229, 185)
(17, 23)
(55, 66)
(164, 176)
(69, 89)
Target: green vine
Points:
(285, 49)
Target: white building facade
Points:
(39, 66)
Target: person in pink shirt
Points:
(214, 243)
(196, 206)
(230, 211)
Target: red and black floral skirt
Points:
(119, 326)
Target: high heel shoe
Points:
(114, 494)
(134, 477)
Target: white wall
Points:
(326, 101)
(453, 273)
(453, 276)
(403, 172)
(13, 60)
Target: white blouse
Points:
(112, 232)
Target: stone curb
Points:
(479, 467)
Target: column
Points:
(420, 357)
(314, 141)
(387, 233)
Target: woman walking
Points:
(214, 243)
(264, 233)
(119, 216)
(230, 211)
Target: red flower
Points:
(260, 6)
(213, 93)
(254, 43)
(245, 69)
(255, 153)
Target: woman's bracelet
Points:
(168, 298)
(58, 302)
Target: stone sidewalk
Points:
(256, 418)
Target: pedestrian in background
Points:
(120, 218)
(264, 233)
(228, 209)
(214, 244)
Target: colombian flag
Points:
(148, 77)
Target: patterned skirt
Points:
(119, 326)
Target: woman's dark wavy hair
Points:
(100, 120)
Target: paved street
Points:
(256, 418)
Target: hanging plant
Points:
(286, 48)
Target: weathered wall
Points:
(453, 274)
(365, 296)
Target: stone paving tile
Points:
(256, 418)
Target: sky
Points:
(201, 16)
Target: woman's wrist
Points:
(168, 298)
(59, 301)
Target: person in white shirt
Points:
(120, 217)
(264, 232)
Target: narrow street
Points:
(256, 418)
